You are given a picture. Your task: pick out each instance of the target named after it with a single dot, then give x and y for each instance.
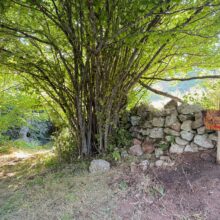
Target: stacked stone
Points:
(180, 126)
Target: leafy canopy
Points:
(87, 55)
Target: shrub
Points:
(65, 145)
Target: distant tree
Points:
(88, 54)
(18, 104)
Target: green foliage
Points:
(85, 57)
(163, 145)
(120, 138)
(18, 103)
(65, 145)
(5, 149)
(136, 96)
(116, 154)
(206, 94)
(11, 203)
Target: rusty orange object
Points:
(212, 119)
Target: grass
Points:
(37, 186)
(11, 204)
(59, 195)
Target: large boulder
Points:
(203, 141)
(176, 149)
(99, 166)
(156, 133)
(136, 150)
(187, 135)
(187, 125)
(158, 122)
(189, 109)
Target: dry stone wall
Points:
(179, 128)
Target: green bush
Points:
(120, 138)
(65, 145)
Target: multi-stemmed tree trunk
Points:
(87, 54)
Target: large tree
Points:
(88, 54)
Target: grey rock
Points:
(187, 125)
(170, 120)
(201, 130)
(203, 141)
(136, 141)
(152, 164)
(191, 148)
(176, 126)
(135, 120)
(158, 152)
(166, 159)
(171, 132)
(187, 135)
(147, 124)
(124, 154)
(183, 118)
(133, 167)
(159, 163)
(213, 137)
(198, 116)
(23, 134)
(168, 163)
(136, 150)
(181, 141)
(176, 149)
(148, 147)
(158, 122)
(197, 123)
(171, 104)
(99, 166)
(160, 113)
(189, 109)
(144, 165)
(156, 133)
(170, 111)
(145, 132)
(136, 135)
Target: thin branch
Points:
(183, 79)
(158, 92)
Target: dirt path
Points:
(192, 190)
(188, 191)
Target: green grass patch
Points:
(11, 204)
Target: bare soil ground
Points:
(190, 190)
